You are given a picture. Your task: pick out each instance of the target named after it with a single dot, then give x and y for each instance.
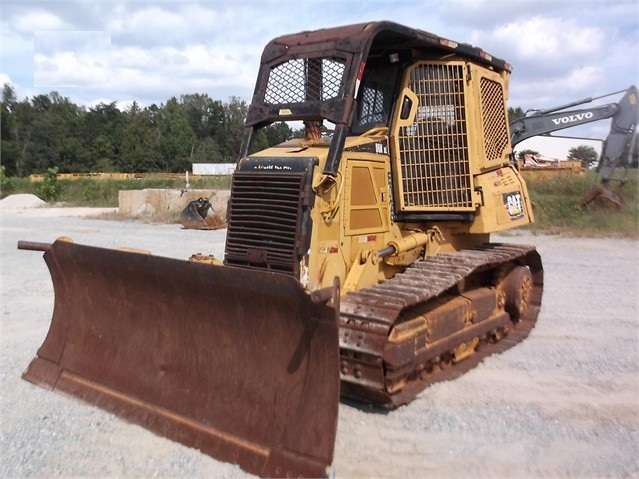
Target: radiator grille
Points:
(300, 80)
(493, 114)
(433, 156)
(264, 221)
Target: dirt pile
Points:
(21, 201)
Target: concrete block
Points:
(150, 201)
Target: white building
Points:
(213, 169)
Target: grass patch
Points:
(556, 207)
(104, 193)
(12, 186)
(555, 201)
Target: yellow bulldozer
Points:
(358, 259)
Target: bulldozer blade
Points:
(240, 364)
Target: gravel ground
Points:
(564, 403)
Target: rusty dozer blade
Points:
(240, 364)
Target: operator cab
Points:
(376, 96)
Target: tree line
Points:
(50, 131)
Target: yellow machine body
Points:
(358, 259)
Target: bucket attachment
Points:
(602, 195)
(196, 216)
(240, 364)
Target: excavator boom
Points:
(623, 113)
(617, 146)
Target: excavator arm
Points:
(617, 148)
(543, 122)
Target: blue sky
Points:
(148, 51)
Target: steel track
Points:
(368, 316)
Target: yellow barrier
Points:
(118, 176)
(572, 167)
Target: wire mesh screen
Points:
(304, 79)
(433, 156)
(372, 106)
(493, 114)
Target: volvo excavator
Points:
(616, 153)
(358, 259)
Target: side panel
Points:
(359, 219)
(366, 201)
(490, 92)
(505, 204)
(366, 207)
(459, 130)
(432, 162)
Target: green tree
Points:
(73, 156)
(139, 150)
(260, 141)
(234, 115)
(176, 137)
(50, 189)
(45, 137)
(104, 124)
(6, 184)
(207, 151)
(278, 133)
(102, 154)
(205, 115)
(584, 153)
(514, 113)
(25, 117)
(522, 154)
(9, 149)
(55, 132)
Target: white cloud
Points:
(133, 58)
(38, 20)
(70, 69)
(554, 39)
(4, 78)
(586, 79)
(151, 24)
(80, 59)
(562, 59)
(560, 50)
(195, 68)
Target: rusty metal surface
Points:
(199, 215)
(376, 371)
(269, 214)
(601, 195)
(242, 365)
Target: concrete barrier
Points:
(152, 201)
